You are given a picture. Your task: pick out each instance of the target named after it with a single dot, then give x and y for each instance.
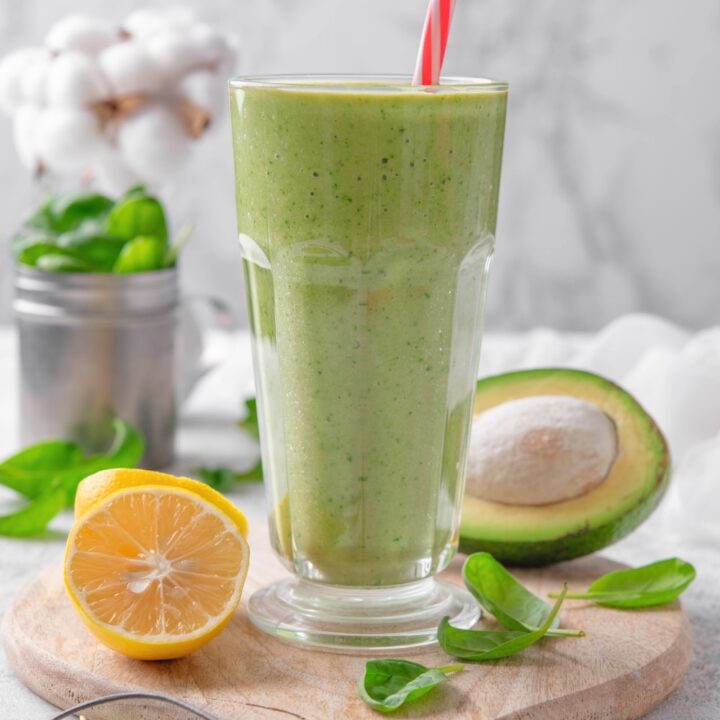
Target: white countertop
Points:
(208, 435)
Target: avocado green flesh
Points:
(541, 534)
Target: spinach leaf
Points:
(35, 516)
(655, 584)
(96, 249)
(250, 422)
(143, 254)
(28, 248)
(32, 252)
(505, 598)
(42, 218)
(60, 213)
(49, 472)
(138, 214)
(223, 479)
(171, 255)
(126, 451)
(57, 262)
(30, 471)
(483, 645)
(389, 684)
(254, 474)
(138, 190)
(88, 232)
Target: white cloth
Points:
(674, 374)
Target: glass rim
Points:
(365, 83)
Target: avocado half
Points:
(532, 535)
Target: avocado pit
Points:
(540, 449)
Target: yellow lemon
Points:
(98, 486)
(156, 571)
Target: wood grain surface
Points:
(628, 662)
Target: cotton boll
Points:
(25, 123)
(173, 54)
(34, 80)
(179, 17)
(112, 173)
(80, 33)
(67, 138)
(225, 63)
(12, 68)
(75, 79)
(129, 69)
(153, 143)
(228, 62)
(210, 45)
(205, 89)
(145, 22)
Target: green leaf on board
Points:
(387, 685)
(484, 645)
(143, 254)
(512, 605)
(658, 583)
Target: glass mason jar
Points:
(366, 215)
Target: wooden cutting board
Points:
(628, 662)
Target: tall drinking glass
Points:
(366, 214)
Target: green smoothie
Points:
(367, 215)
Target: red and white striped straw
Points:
(433, 43)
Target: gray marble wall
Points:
(611, 189)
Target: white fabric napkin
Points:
(674, 374)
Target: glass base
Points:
(350, 618)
